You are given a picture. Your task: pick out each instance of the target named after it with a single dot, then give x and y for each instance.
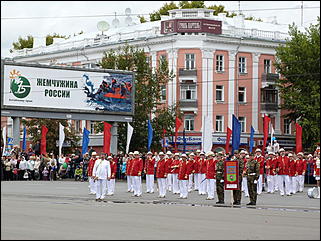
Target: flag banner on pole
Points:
(61, 137)
(4, 138)
(43, 145)
(298, 138)
(184, 140)
(107, 137)
(130, 131)
(266, 121)
(207, 136)
(85, 141)
(251, 139)
(272, 134)
(228, 138)
(150, 135)
(178, 123)
(24, 139)
(236, 134)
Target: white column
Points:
(154, 60)
(83, 124)
(172, 84)
(231, 89)
(255, 92)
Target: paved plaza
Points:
(65, 210)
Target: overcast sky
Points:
(11, 29)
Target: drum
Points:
(313, 192)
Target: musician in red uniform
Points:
(92, 184)
(245, 189)
(168, 169)
(161, 175)
(183, 177)
(210, 174)
(129, 161)
(261, 160)
(136, 173)
(202, 168)
(190, 164)
(282, 169)
(197, 173)
(149, 170)
(174, 172)
(111, 183)
(317, 169)
(292, 173)
(270, 171)
(301, 169)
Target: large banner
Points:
(46, 88)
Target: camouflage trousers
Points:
(220, 190)
(237, 194)
(252, 188)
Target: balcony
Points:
(187, 103)
(269, 100)
(187, 72)
(269, 107)
(269, 78)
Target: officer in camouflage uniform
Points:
(237, 194)
(220, 178)
(253, 174)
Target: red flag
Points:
(107, 137)
(178, 123)
(266, 121)
(43, 144)
(228, 137)
(298, 138)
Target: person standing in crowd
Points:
(282, 169)
(220, 180)
(175, 171)
(53, 167)
(91, 164)
(112, 182)
(202, 176)
(210, 175)
(161, 174)
(237, 194)
(45, 174)
(276, 146)
(36, 148)
(169, 178)
(197, 171)
(292, 174)
(31, 167)
(101, 173)
(23, 168)
(253, 174)
(36, 168)
(243, 153)
(7, 169)
(261, 160)
(190, 168)
(136, 173)
(130, 181)
(301, 166)
(86, 159)
(149, 170)
(183, 177)
(317, 170)
(270, 169)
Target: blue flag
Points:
(85, 141)
(236, 134)
(184, 140)
(251, 139)
(150, 135)
(24, 140)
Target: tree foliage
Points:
(299, 65)
(147, 97)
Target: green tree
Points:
(142, 19)
(22, 43)
(299, 66)
(49, 38)
(147, 97)
(156, 15)
(191, 4)
(34, 130)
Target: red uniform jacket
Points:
(137, 167)
(260, 160)
(150, 166)
(182, 173)
(197, 165)
(161, 169)
(113, 168)
(292, 168)
(202, 163)
(91, 166)
(270, 166)
(190, 167)
(129, 166)
(301, 166)
(210, 169)
(282, 164)
(168, 165)
(175, 166)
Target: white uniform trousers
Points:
(293, 184)
(196, 181)
(150, 183)
(183, 188)
(276, 183)
(284, 184)
(111, 186)
(300, 182)
(270, 183)
(260, 184)
(245, 187)
(190, 182)
(101, 188)
(169, 182)
(129, 184)
(137, 184)
(211, 183)
(175, 183)
(161, 186)
(203, 184)
(92, 185)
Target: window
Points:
(77, 126)
(163, 93)
(243, 124)
(219, 63)
(219, 123)
(242, 95)
(189, 14)
(219, 93)
(287, 126)
(267, 66)
(189, 122)
(242, 65)
(188, 92)
(92, 127)
(189, 61)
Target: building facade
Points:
(222, 66)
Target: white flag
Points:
(207, 138)
(61, 137)
(130, 130)
(272, 134)
(4, 137)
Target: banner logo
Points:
(20, 86)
